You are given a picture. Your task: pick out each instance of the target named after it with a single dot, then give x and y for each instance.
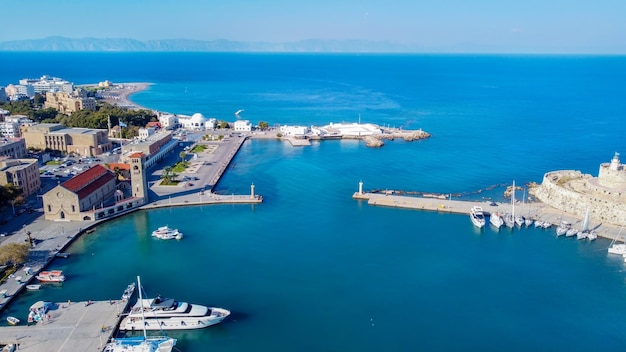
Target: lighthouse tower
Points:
(360, 187)
(138, 180)
(252, 191)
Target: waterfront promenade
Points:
(74, 328)
(536, 211)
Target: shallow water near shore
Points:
(311, 268)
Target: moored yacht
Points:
(562, 228)
(167, 233)
(496, 220)
(477, 216)
(169, 314)
(618, 248)
(51, 276)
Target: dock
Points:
(69, 326)
(442, 204)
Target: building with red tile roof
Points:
(89, 190)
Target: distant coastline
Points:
(120, 94)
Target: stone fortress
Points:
(573, 192)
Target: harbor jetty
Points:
(443, 204)
(67, 326)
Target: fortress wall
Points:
(554, 192)
(612, 178)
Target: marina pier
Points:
(441, 204)
(68, 326)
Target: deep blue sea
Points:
(311, 269)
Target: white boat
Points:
(169, 314)
(528, 221)
(37, 312)
(33, 287)
(546, 224)
(13, 320)
(128, 292)
(592, 235)
(571, 232)
(509, 221)
(496, 220)
(538, 223)
(617, 248)
(51, 276)
(581, 235)
(477, 216)
(62, 255)
(143, 343)
(167, 233)
(519, 221)
(562, 228)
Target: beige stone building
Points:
(54, 136)
(66, 103)
(96, 194)
(23, 173)
(574, 192)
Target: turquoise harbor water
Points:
(311, 269)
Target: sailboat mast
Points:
(513, 200)
(143, 318)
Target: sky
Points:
(585, 26)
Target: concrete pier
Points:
(536, 211)
(69, 326)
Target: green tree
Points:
(263, 125)
(182, 156)
(14, 253)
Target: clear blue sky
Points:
(597, 26)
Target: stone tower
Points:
(138, 181)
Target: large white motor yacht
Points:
(169, 314)
(477, 216)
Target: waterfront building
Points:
(193, 122)
(294, 130)
(17, 92)
(574, 192)
(210, 124)
(155, 147)
(23, 173)
(4, 113)
(242, 126)
(352, 129)
(48, 84)
(54, 136)
(66, 103)
(13, 148)
(168, 121)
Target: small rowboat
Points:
(33, 287)
(13, 320)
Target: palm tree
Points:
(167, 175)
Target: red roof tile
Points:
(121, 166)
(89, 181)
(137, 155)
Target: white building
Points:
(168, 121)
(193, 122)
(144, 133)
(4, 113)
(210, 124)
(353, 129)
(48, 84)
(294, 130)
(13, 92)
(243, 126)
(10, 128)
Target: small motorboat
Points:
(13, 320)
(62, 255)
(33, 287)
(128, 292)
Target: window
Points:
(49, 208)
(73, 208)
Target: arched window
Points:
(62, 215)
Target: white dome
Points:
(197, 118)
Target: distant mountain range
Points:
(126, 44)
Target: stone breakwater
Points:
(573, 192)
